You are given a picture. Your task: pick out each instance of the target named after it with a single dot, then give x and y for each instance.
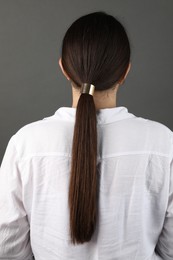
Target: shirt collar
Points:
(104, 116)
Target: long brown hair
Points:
(95, 50)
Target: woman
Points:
(93, 181)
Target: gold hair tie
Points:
(87, 88)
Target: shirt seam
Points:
(98, 157)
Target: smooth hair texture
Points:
(95, 50)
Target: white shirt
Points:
(135, 158)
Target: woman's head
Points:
(96, 50)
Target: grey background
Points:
(31, 84)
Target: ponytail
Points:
(95, 49)
(83, 180)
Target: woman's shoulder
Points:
(35, 127)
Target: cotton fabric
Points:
(135, 163)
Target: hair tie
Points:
(87, 88)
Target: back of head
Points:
(95, 50)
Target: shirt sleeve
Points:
(14, 227)
(165, 242)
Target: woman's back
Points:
(133, 162)
(93, 181)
